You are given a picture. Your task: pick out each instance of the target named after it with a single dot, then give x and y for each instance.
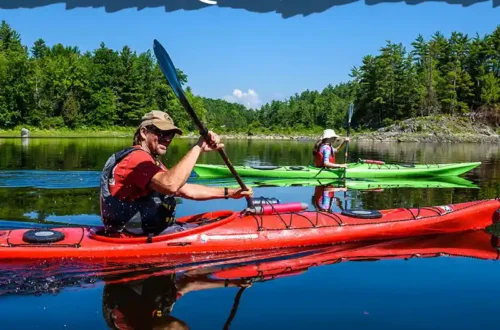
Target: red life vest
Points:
(318, 157)
(156, 211)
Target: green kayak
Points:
(363, 169)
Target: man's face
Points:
(158, 140)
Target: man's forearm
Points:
(199, 192)
(183, 169)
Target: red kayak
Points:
(249, 230)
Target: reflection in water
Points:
(45, 204)
(57, 179)
(148, 303)
(324, 198)
(144, 295)
(142, 304)
(64, 189)
(49, 179)
(92, 153)
(25, 141)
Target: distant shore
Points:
(428, 129)
(372, 136)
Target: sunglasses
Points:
(162, 135)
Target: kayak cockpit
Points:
(205, 221)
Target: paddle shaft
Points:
(170, 72)
(349, 116)
(346, 156)
(204, 132)
(234, 309)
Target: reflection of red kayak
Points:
(230, 231)
(253, 266)
(470, 244)
(56, 274)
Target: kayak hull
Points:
(233, 231)
(354, 170)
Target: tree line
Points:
(61, 86)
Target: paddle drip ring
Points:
(42, 236)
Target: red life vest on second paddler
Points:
(319, 198)
(318, 156)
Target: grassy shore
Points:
(129, 132)
(69, 133)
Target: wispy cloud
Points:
(249, 99)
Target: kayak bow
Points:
(222, 231)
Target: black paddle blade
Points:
(168, 68)
(170, 72)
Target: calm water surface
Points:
(55, 181)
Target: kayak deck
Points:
(354, 170)
(234, 231)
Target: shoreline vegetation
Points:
(444, 129)
(444, 89)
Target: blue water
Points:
(428, 293)
(440, 293)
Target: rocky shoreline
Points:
(443, 129)
(376, 136)
(439, 129)
(429, 137)
(241, 136)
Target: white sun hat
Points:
(329, 133)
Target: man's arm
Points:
(169, 182)
(201, 193)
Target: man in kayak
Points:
(138, 192)
(324, 152)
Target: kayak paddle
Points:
(349, 117)
(168, 69)
(346, 158)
